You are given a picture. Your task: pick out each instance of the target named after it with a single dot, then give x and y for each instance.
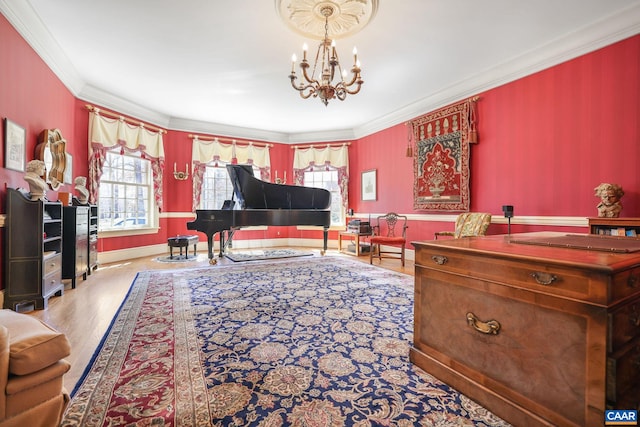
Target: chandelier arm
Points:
(301, 88)
(293, 78)
(308, 95)
(355, 73)
(356, 90)
(310, 80)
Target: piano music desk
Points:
(183, 242)
(356, 240)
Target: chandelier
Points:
(327, 78)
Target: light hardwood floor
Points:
(84, 313)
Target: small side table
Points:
(183, 242)
(351, 236)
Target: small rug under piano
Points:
(264, 254)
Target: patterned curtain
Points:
(330, 157)
(441, 157)
(206, 152)
(107, 133)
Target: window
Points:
(327, 179)
(217, 187)
(125, 199)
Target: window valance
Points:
(337, 156)
(332, 157)
(106, 133)
(204, 152)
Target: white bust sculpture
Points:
(81, 189)
(37, 186)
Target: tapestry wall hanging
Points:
(441, 160)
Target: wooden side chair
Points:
(389, 230)
(468, 224)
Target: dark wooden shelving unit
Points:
(33, 251)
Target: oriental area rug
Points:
(320, 341)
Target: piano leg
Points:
(325, 238)
(212, 260)
(222, 244)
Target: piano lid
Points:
(253, 193)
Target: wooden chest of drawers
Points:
(539, 335)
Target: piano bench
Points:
(183, 242)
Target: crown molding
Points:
(94, 95)
(230, 131)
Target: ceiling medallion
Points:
(306, 17)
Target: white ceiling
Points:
(222, 66)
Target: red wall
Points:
(34, 98)
(545, 142)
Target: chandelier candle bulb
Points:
(355, 55)
(293, 63)
(305, 48)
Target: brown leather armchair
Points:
(31, 369)
(468, 224)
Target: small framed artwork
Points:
(15, 145)
(369, 185)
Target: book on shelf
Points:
(632, 232)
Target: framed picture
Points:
(15, 146)
(369, 185)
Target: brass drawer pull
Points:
(490, 327)
(544, 278)
(632, 282)
(439, 259)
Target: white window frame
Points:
(220, 167)
(337, 205)
(106, 209)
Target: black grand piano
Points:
(263, 203)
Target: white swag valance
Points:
(208, 151)
(107, 133)
(336, 156)
(205, 152)
(330, 157)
